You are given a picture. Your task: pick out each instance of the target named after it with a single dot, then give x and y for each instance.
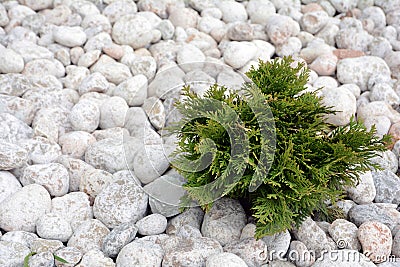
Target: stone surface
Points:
(364, 192)
(132, 30)
(190, 217)
(152, 224)
(53, 176)
(52, 226)
(376, 240)
(9, 184)
(21, 210)
(252, 251)
(225, 259)
(340, 100)
(133, 90)
(359, 70)
(74, 208)
(308, 233)
(119, 237)
(165, 194)
(344, 233)
(225, 221)
(69, 36)
(360, 214)
(387, 186)
(189, 252)
(12, 253)
(89, 235)
(12, 156)
(120, 202)
(140, 253)
(11, 61)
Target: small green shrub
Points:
(313, 160)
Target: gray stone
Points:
(70, 254)
(11, 62)
(189, 252)
(360, 69)
(384, 92)
(12, 253)
(120, 202)
(69, 36)
(132, 30)
(152, 224)
(52, 226)
(313, 237)
(232, 11)
(140, 253)
(371, 212)
(13, 128)
(112, 154)
(119, 237)
(364, 192)
(387, 160)
(190, 217)
(53, 176)
(252, 251)
(74, 144)
(85, 116)
(224, 221)
(188, 231)
(73, 207)
(341, 100)
(165, 194)
(21, 210)
(112, 112)
(9, 184)
(43, 259)
(225, 259)
(300, 255)
(344, 233)
(278, 244)
(89, 235)
(387, 187)
(279, 28)
(11, 155)
(95, 257)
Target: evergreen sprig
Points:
(313, 160)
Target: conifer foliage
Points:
(269, 145)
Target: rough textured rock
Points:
(122, 201)
(225, 221)
(189, 252)
(89, 235)
(21, 210)
(376, 240)
(140, 253)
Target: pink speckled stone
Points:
(376, 240)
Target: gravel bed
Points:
(87, 87)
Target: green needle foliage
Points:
(313, 161)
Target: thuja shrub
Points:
(313, 161)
